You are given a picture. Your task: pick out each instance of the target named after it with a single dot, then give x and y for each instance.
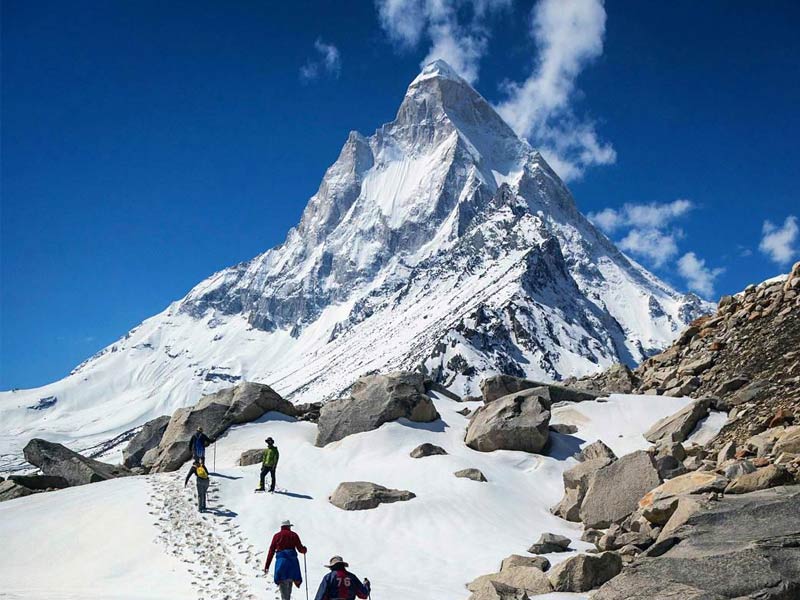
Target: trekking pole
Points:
(305, 572)
(215, 457)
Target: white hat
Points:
(287, 523)
(335, 561)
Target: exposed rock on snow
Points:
(427, 449)
(363, 495)
(697, 482)
(677, 427)
(486, 589)
(585, 572)
(215, 413)
(550, 542)
(10, 491)
(617, 379)
(251, 457)
(40, 482)
(595, 450)
(519, 578)
(517, 560)
(498, 386)
(615, 490)
(58, 460)
(375, 400)
(474, 474)
(149, 437)
(576, 482)
(515, 422)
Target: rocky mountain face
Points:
(442, 243)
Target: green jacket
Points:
(271, 456)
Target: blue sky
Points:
(146, 145)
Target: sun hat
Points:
(336, 561)
(287, 523)
(269, 439)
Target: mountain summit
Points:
(442, 242)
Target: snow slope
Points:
(442, 242)
(103, 541)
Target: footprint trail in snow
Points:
(222, 562)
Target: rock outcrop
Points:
(518, 421)
(585, 572)
(498, 386)
(59, 461)
(215, 413)
(148, 438)
(11, 491)
(677, 427)
(576, 483)
(373, 401)
(427, 449)
(363, 495)
(473, 474)
(251, 457)
(550, 542)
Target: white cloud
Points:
(779, 243)
(326, 62)
(698, 276)
(656, 246)
(569, 35)
(654, 215)
(456, 29)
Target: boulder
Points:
(363, 495)
(594, 450)
(485, 589)
(498, 386)
(515, 422)
(727, 452)
(550, 542)
(738, 547)
(789, 441)
(615, 490)
(585, 572)
(677, 427)
(530, 579)
(149, 437)
(215, 413)
(58, 460)
(736, 468)
(563, 428)
(761, 479)
(40, 482)
(696, 482)
(251, 457)
(763, 443)
(576, 482)
(517, 560)
(426, 449)
(474, 474)
(11, 491)
(375, 400)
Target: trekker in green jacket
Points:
(268, 465)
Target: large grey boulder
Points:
(576, 482)
(487, 589)
(11, 491)
(474, 474)
(251, 457)
(215, 413)
(530, 579)
(40, 482)
(517, 560)
(149, 437)
(550, 542)
(498, 386)
(427, 449)
(515, 422)
(58, 460)
(375, 400)
(595, 450)
(615, 490)
(363, 495)
(585, 572)
(742, 546)
(761, 479)
(696, 482)
(789, 441)
(677, 427)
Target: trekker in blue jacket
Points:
(341, 584)
(198, 444)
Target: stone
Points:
(251, 457)
(11, 491)
(591, 535)
(737, 468)
(517, 560)
(363, 495)
(550, 542)
(464, 412)
(498, 386)
(761, 479)
(40, 482)
(530, 579)
(58, 460)
(684, 387)
(727, 452)
(149, 437)
(673, 449)
(677, 427)
(585, 572)
(215, 413)
(789, 441)
(697, 366)
(658, 512)
(732, 384)
(375, 400)
(738, 547)
(763, 443)
(615, 490)
(576, 482)
(594, 450)
(563, 428)
(427, 449)
(669, 467)
(515, 422)
(494, 590)
(473, 474)
(696, 482)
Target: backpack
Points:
(202, 472)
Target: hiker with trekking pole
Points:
(341, 584)
(197, 445)
(203, 481)
(284, 547)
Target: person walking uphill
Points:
(197, 445)
(199, 470)
(269, 463)
(341, 584)
(285, 546)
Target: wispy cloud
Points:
(569, 36)
(457, 30)
(658, 247)
(779, 243)
(326, 61)
(698, 276)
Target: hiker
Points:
(269, 463)
(198, 443)
(341, 584)
(284, 547)
(199, 470)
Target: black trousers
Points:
(271, 470)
